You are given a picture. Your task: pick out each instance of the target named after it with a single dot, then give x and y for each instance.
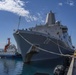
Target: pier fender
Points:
(59, 70)
(30, 54)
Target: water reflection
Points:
(40, 67)
(31, 70)
(10, 66)
(16, 67)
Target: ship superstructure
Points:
(54, 29)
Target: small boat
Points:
(9, 50)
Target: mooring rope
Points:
(58, 44)
(59, 48)
(60, 54)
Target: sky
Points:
(34, 12)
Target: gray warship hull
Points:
(50, 46)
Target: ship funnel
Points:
(50, 19)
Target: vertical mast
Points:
(19, 22)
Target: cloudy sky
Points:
(34, 12)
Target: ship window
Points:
(64, 30)
(26, 29)
(63, 36)
(57, 33)
(48, 33)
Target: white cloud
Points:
(70, 2)
(16, 6)
(27, 1)
(31, 18)
(40, 18)
(60, 4)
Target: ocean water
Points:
(13, 66)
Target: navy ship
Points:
(44, 42)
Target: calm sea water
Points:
(16, 67)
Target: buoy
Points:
(59, 70)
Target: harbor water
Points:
(12, 66)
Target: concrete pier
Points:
(72, 67)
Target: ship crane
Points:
(7, 45)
